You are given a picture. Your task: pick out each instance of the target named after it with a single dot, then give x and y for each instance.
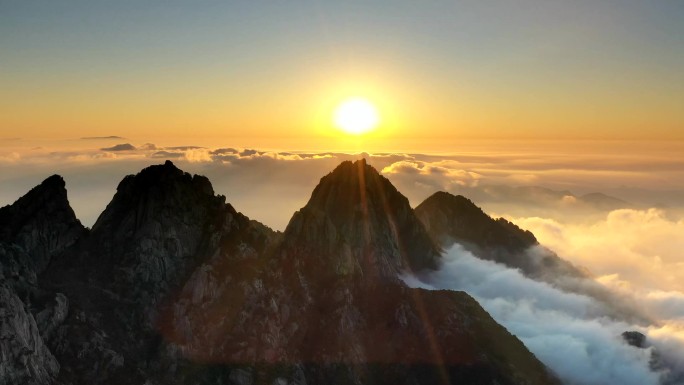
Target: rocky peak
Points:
(159, 225)
(450, 218)
(635, 339)
(356, 223)
(41, 222)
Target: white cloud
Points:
(568, 332)
(642, 247)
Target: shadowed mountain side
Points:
(161, 225)
(41, 222)
(36, 228)
(451, 219)
(357, 223)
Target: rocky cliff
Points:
(173, 285)
(41, 222)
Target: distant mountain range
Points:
(173, 285)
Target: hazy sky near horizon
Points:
(156, 70)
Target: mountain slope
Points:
(33, 230)
(331, 303)
(161, 225)
(358, 223)
(41, 222)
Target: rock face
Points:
(33, 230)
(356, 223)
(172, 285)
(24, 358)
(41, 222)
(162, 229)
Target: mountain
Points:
(41, 222)
(451, 219)
(33, 230)
(173, 285)
(357, 222)
(161, 226)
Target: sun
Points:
(356, 116)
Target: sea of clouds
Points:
(566, 331)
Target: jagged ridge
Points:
(172, 285)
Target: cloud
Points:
(120, 147)
(565, 331)
(111, 137)
(166, 155)
(642, 247)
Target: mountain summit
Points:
(357, 222)
(41, 222)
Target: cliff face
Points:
(357, 224)
(41, 222)
(172, 285)
(34, 230)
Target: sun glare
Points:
(356, 116)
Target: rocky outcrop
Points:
(24, 358)
(668, 366)
(357, 223)
(41, 222)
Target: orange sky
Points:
(272, 73)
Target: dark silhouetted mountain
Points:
(41, 222)
(357, 223)
(161, 225)
(173, 285)
(36, 228)
(451, 219)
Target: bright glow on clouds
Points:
(565, 331)
(642, 248)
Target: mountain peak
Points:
(357, 223)
(455, 218)
(41, 222)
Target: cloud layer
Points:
(627, 249)
(270, 185)
(566, 331)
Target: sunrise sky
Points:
(261, 74)
(565, 117)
